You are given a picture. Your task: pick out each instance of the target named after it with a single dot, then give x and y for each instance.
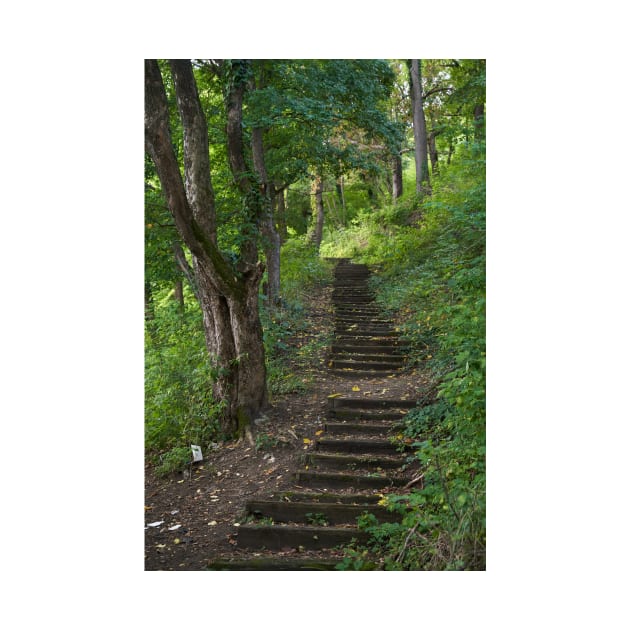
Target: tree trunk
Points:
(397, 177)
(419, 130)
(229, 301)
(149, 312)
(281, 214)
(317, 192)
(340, 188)
(235, 342)
(178, 294)
(271, 239)
(182, 263)
(480, 122)
(451, 150)
(433, 154)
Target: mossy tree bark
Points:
(228, 295)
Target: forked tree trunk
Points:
(235, 342)
(229, 300)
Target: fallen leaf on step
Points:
(306, 441)
(356, 388)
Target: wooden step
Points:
(353, 300)
(380, 349)
(387, 359)
(336, 460)
(358, 428)
(296, 536)
(391, 359)
(363, 309)
(350, 373)
(369, 417)
(305, 512)
(355, 445)
(269, 563)
(357, 329)
(326, 480)
(364, 365)
(361, 319)
(327, 497)
(353, 402)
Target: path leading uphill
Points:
(353, 459)
(322, 458)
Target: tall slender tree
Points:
(317, 203)
(419, 129)
(228, 293)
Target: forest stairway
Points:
(353, 461)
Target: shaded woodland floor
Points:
(201, 510)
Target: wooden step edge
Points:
(358, 428)
(326, 497)
(349, 373)
(345, 480)
(338, 364)
(352, 442)
(353, 402)
(330, 513)
(298, 536)
(394, 359)
(368, 415)
(273, 564)
(378, 461)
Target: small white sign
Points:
(196, 451)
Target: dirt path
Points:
(200, 514)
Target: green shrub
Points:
(432, 274)
(179, 407)
(175, 460)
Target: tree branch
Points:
(159, 146)
(196, 152)
(186, 269)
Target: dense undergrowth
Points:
(179, 408)
(431, 262)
